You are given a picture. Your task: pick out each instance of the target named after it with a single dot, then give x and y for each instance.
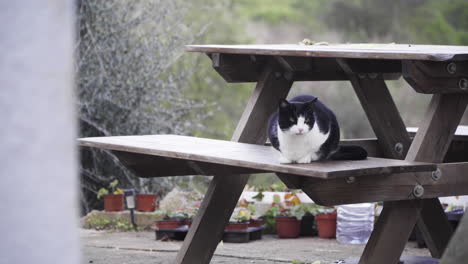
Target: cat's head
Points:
(296, 118)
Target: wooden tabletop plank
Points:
(248, 156)
(359, 51)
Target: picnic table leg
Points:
(224, 191)
(431, 144)
(397, 220)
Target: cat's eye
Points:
(292, 119)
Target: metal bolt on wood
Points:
(399, 148)
(452, 68)
(463, 84)
(436, 175)
(373, 75)
(418, 191)
(350, 180)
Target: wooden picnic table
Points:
(407, 173)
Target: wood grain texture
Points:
(456, 252)
(251, 156)
(396, 222)
(381, 112)
(148, 166)
(430, 144)
(433, 77)
(437, 128)
(236, 68)
(391, 132)
(392, 187)
(457, 152)
(363, 51)
(223, 193)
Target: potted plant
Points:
(146, 202)
(254, 220)
(114, 201)
(269, 219)
(326, 222)
(288, 223)
(170, 220)
(239, 220)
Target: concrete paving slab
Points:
(103, 247)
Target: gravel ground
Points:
(100, 247)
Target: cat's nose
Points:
(301, 130)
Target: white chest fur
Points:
(301, 148)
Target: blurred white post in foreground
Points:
(38, 172)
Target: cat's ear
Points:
(283, 103)
(312, 102)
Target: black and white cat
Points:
(305, 130)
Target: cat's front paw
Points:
(284, 160)
(306, 159)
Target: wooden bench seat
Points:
(171, 155)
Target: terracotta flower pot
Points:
(169, 224)
(236, 226)
(326, 225)
(113, 202)
(288, 227)
(255, 223)
(145, 202)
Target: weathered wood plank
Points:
(363, 51)
(394, 142)
(249, 156)
(394, 187)
(457, 152)
(147, 166)
(456, 252)
(224, 192)
(436, 77)
(381, 112)
(431, 144)
(236, 68)
(437, 128)
(391, 234)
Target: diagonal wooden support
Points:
(223, 193)
(456, 252)
(394, 226)
(381, 111)
(441, 120)
(389, 237)
(431, 144)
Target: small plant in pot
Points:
(326, 222)
(269, 219)
(113, 200)
(170, 220)
(288, 222)
(254, 221)
(239, 220)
